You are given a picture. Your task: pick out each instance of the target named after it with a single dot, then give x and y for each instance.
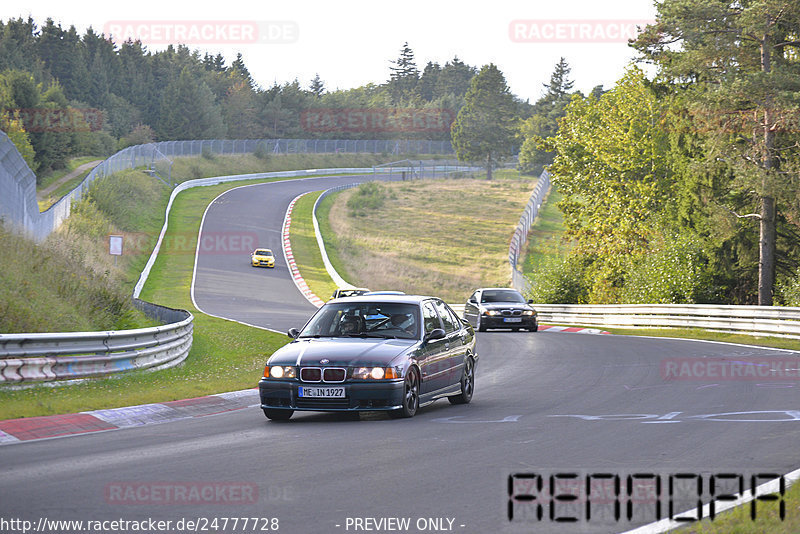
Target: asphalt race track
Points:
(545, 403)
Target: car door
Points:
(455, 346)
(471, 309)
(435, 351)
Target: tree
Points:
(739, 60)
(189, 111)
(486, 127)
(611, 165)
(317, 87)
(404, 76)
(543, 123)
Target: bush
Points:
(673, 272)
(208, 153)
(262, 153)
(367, 197)
(561, 281)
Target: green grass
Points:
(306, 249)
(739, 521)
(545, 243)
(708, 335)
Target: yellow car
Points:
(262, 257)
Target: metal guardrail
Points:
(71, 355)
(756, 320)
(518, 280)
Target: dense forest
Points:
(178, 93)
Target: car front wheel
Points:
(410, 396)
(278, 415)
(467, 384)
(479, 324)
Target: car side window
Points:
(447, 320)
(429, 317)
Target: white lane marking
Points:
(457, 419)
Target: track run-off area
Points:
(545, 404)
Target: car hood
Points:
(341, 351)
(506, 306)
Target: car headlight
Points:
(374, 373)
(280, 371)
(492, 312)
(529, 312)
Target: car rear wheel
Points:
(467, 384)
(410, 396)
(278, 415)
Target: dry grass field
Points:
(439, 237)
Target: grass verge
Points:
(306, 249)
(545, 243)
(441, 237)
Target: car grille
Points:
(323, 374)
(323, 404)
(511, 312)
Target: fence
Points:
(756, 320)
(41, 357)
(518, 280)
(18, 205)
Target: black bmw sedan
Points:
(394, 353)
(494, 307)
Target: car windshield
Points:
(501, 295)
(364, 319)
(263, 252)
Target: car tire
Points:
(467, 384)
(278, 415)
(515, 329)
(535, 327)
(410, 396)
(479, 324)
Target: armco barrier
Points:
(70, 355)
(518, 280)
(755, 320)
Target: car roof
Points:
(402, 299)
(497, 288)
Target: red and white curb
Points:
(570, 329)
(52, 426)
(301, 284)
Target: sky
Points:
(350, 43)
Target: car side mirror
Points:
(530, 301)
(293, 333)
(436, 333)
(472, 301)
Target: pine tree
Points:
(404, 76)
(317, 86)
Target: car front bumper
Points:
(499, 321)
(263, 263)
(359, 396)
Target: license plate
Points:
(512, 320)
(321, 393)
